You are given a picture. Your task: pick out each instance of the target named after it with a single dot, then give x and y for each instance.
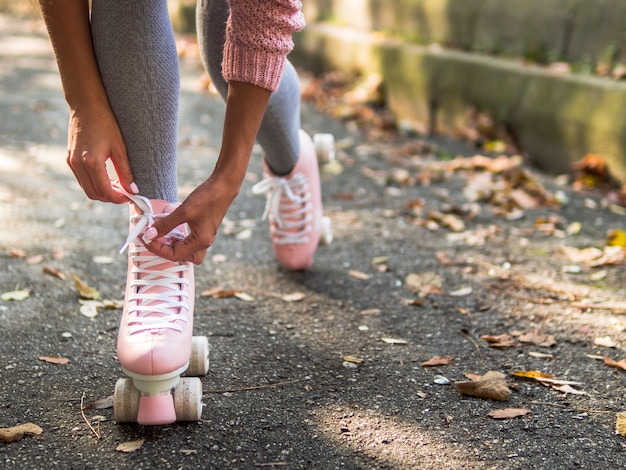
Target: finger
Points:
(96, 171)
(189, 249)
(164, 225)
(124, 173)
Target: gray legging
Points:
(137, 58)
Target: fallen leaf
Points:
(16, 433)
(293, 297)
(508, 413)
(569, 389)
(84, 290)
(100, 404)
(130, 446)
(243, 296)
(353, 359)
(538, 338)
(54, 359)
(219, 292)
(54, 272)
(17, 253)
(359, 275)
(89, 308)
(500, 341)
(37, 259)
(532, 374)
(605, 342)
(540, 355)
(492, 386)
(439, 361)
(17, 295)
(462, 292)
(424, 283)
(616, 238)
(619, 364)
(394, 341)
(620, 424)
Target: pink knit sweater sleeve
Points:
(258, 39)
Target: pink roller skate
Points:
(155, 344)
(294, 205)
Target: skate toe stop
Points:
(157, 409)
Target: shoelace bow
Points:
(288, 202)
(150, 310)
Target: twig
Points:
(82, 412)
(257, 387)
(473, 341)
(558, 405)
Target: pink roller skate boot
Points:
(155, 336)
(294, 207)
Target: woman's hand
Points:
(93, 138)
(203, 211)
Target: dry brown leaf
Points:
(492, 386)
(508, 413)
(439, 361)
(17, 253)
(16, 433)
(619, 364)
(500, 341)
(84, 290)
(53, 272)
(130, 446)
(538, 338)
(54, 359)
(219, 292)
(33, 260)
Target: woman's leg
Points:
(278, 134)
(136, 53)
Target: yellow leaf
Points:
(84, 290)
(353, 359)
(532, 374)
(616, 238)
(16, 295)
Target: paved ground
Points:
(336, 379)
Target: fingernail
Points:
(134, 188)
(149, 235)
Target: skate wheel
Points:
(125, 401)
(188, 399)
(324, 147)
(199, 360)
(326, 237)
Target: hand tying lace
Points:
(288, 203)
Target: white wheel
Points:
(125, 401)
(199, 360)
(188, 399)
(326, 236)
(324, 147)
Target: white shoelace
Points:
(149, 310)
(288, 202)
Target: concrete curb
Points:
(555, 118)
